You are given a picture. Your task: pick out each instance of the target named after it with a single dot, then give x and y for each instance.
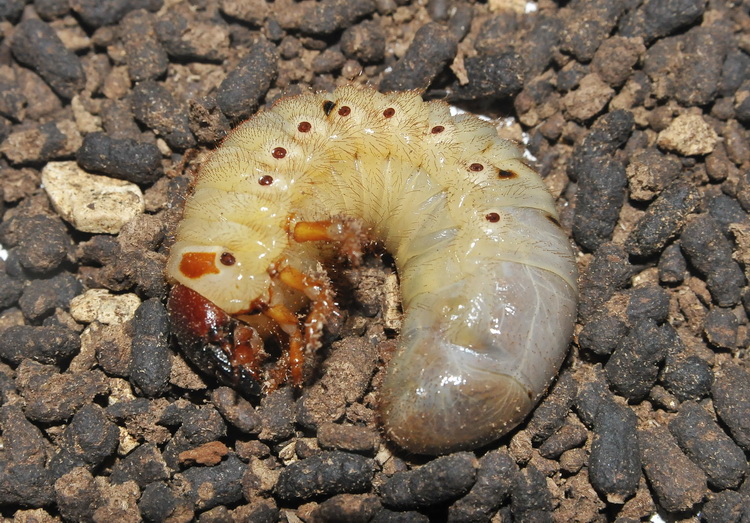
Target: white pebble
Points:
(688, 134)
(91, 203)
(99, 305)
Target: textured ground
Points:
(637, 115)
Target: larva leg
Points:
(320, 293)
(346, 231)
(293, 361)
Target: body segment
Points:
(488, 280)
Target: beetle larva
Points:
(488, 279)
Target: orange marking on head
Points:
(197, 264)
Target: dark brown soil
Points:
(637, 114)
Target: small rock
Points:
(243, 88)
(679, 484)
(36, 45)
(12, 10)
(25, 484)
(111, 345)
(261, 510)
(158, 502)
(260, 478)
(51, 396)
(43, 242)
(189, 36)
(710, 252)
(721, 327)
(650, 172)
(607, 273)
(91, 203)
(207, 122)
(726, 505)
(588, 100)
(431, 50)
(150, 366)
(23, 441)
(568, 437)
(41, 143)
(708, 446)
(41, 297)
(99, 305)
(494, 480)
(87, 441)
(348, 507)
(155, 107)
(327, 399)
(601, 334)
(125, 159)
(731, 396)
(145, 57)
(76, 494)
(97, 14)
(364, 42)
(742, 102)
(688, 135)
(687, 67)
(657, 18)
(615, 465)
(209, 454)
(607, 135)
(325, 474)
(615, 58)
(48, 10)
(438, 481)
(727, 211)
(118, 502)
(50, 345)
(550, 414)
(530, 498)
(277, 415)
(647, 301)
(323, 18)
(498, 75)
(633, 367)
(236, 410)
(688, 378)
(253, 12)
(672, 265)
(736, 141)
(10, 290)
(328, 61)
(601, 194)
(348, 437)
(199, 426)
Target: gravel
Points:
(636, 114)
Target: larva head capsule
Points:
(217, 274)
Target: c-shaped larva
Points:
(488, 279)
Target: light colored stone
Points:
(99, 305)
(91, 203)
(688, 135)
(589, 99)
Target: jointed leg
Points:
(346, 231)
(293, 360)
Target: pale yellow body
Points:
(488, 279)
